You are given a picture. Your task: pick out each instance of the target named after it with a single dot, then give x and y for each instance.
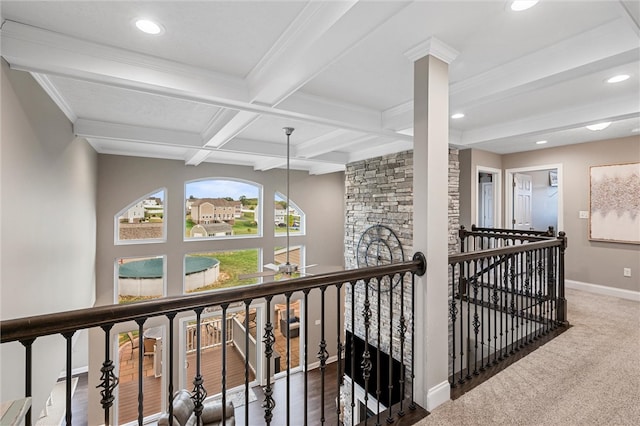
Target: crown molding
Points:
(56, 96)
(434, 47)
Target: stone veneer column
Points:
(430, 203)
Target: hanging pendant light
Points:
(288, 267)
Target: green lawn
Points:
(233, 264)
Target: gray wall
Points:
(48, 193)
(122, 180)
(588, 261)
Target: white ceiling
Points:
(225, 76)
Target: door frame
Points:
(497, 199)
(508, 192)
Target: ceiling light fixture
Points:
(636, 130)
(599, 126)
(618, 78)
(541, 142)
(457, 115)
(148, 27)
(520, 5)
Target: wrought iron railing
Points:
(27, 330)
(506, 294)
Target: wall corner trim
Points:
(437, 395)
(607, 291)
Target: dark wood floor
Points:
(256, 412)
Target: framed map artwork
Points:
(615, 203)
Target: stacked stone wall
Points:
(379, 191)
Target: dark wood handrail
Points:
(21, 329)
(550, 232)
(483, 254)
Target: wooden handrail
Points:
(482, 254)
(21, 329)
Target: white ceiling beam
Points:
(304, 50)
(117, 131)
(55, 95)
(380, 150)
(619, 108)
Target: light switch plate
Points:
(583, 214)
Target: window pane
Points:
(221, 208)
(296, 216)
(222, 269)
(139, 278)
(142, 220)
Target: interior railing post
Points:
(171, 316)
(140, 323)
(199, 392)
(268, 340)
(224, 363)
(28, 373)
(562, 301)
(69, 367)
(108, 380)
(247, 304)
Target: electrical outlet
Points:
(626, 272)
(583, 214)
(318, 322)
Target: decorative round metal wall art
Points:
(379, 245)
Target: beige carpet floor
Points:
(589, 375)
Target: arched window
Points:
(143, 220)
(222, 208)
(296, 216)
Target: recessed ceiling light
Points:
(599, 126)
(541, 142)
(148, 27)
(618, 78)
(636, 130)
(457, 115)
(520, 5)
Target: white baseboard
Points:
(439, 394)
(600, 289)
(316, 364)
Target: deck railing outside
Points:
(27, 330)
(507, 293)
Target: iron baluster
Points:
(171, 317)
(224, 363)
(268, 339)
(461, 291)
(140, 323)
(353, 348)
(412, 405)
(402, 328)
(68, 337)
(323, 355)
(247, 329)
(390, 369)
(305, 354)
(199, 392)
(495, 298)
(108, 380)
(288, 336)
(28, 374)
(476, 322)
(379, 340)
(467, 274)
(453, 311)
(365, 364)
(339, 348)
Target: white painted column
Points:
(430, 218)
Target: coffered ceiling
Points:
(223, 77)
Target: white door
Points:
(486, 212)
(522, 193)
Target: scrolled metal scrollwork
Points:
(108, 383)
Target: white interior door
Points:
(486, 206)
(522, 193)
